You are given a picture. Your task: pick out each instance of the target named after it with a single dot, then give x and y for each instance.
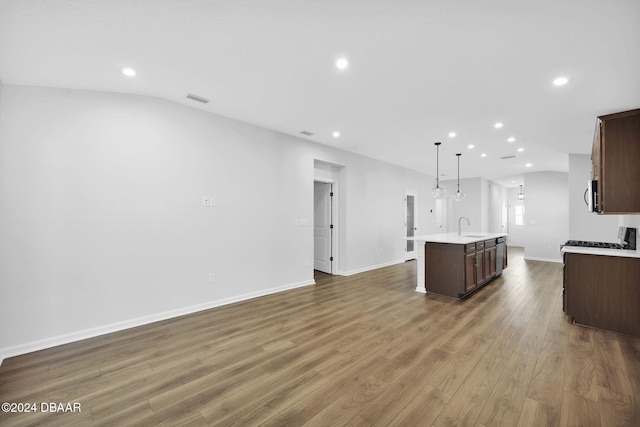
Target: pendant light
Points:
(520, 195)
(438, 192)
(459, 195)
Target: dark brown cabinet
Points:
(501, 253)
(456, 270)
(615, 157)
(474, 270)
(475, 266)
(490, 259)
(603, 292)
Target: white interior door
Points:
(410, 226)
(322, 231)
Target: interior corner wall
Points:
(102, 225)
(546, 215)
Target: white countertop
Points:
(601, 251)
(467, 237)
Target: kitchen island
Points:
(457, 265)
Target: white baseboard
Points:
(119, 326)
(534, 258)
(373, 267)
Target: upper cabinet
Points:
(615, 160)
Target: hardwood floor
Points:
(364, 350)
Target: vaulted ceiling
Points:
(417, 70)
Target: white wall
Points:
(498, 197)
(102, 226)
(481, 204)
(546, 215)
(470, 206)
(372, 196)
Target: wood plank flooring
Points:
(365, 350)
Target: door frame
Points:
(334, 220)
(408, 192)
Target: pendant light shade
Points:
(459, 195)
(520, 195)
(438, 192)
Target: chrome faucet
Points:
(460, 225)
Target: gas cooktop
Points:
(603, 245)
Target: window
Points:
(519, 214)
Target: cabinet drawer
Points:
(489, 243)
(502, 239)
(471, 247)
(479, 245)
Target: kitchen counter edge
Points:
(601, 251)
(453, 238)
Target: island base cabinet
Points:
(455, 270)
(470, 265)
(603, 292)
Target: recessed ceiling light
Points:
(452, 134)
(336, 134)
(520, 149)
(483, 155)
(129, 72)
(470, 146)
(342, 63)
(561, 81)
(511, 139)
(498, 125)
(529, 165)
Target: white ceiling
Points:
(418, 69)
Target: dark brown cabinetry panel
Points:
(603, 292)
(490, 262)
(615, 158)
(504, 259)
(470, 271)
(456, 270)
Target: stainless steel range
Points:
(586, 244)
(627, 236)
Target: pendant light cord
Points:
(458, 156)
(438, 164)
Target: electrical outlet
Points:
(212, 277)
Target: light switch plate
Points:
(208, 201)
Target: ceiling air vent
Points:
(508, 157)
(306, 132)
(198, 98)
